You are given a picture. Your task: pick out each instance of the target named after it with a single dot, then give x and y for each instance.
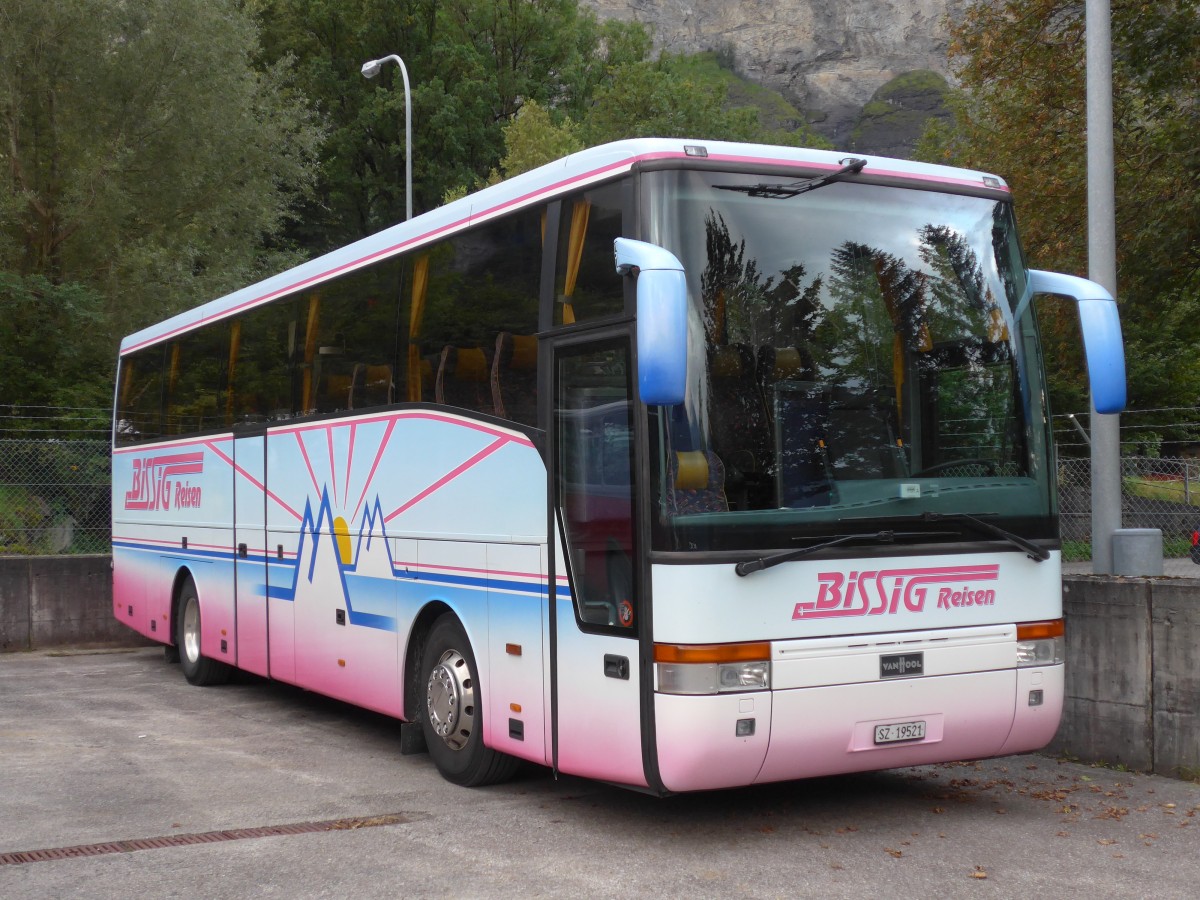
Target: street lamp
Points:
(370, 70)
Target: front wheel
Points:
(452, 710)
(197, 669)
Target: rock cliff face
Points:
(828, 57)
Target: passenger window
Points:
(347, 358)
(196, 373)
(260, 356)
(139, 401)
(478, 316)
(587, 285)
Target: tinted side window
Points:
(587, 285)
(476, 319)
(261, 348)
(139, 399)
(347, 352)
(196, 374)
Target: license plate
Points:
(900, 731)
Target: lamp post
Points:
(370, 70)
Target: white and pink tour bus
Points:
(679, 465)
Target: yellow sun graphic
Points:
(341, 533)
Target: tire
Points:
(197, 669)
(451, 710)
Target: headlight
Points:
(1040, 643)
(712, 668)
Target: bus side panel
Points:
(172, 511)
(282, 541)
(347, 500)
(599, 715)
(516, 722)
(249, 536)
(134, 583)
(344, 617)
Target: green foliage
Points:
(679, 96)
(53, 344)
(899, 111)
(907, 84)
(145, 157)
(714, 71)
(533, 139)
(472, 65)
(1021, 65)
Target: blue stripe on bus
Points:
(282, 592)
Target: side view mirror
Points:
(661, 320)
(1101, 327)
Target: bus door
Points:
(249, 542)
(596, 675)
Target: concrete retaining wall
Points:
(1133, 653)
(54, 601)
(1133, 673)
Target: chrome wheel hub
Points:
(191, 629)
(450, 700)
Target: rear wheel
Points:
(451, 710)
(197, 669)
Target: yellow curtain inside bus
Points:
(310, 350)
(579, 223)
(420, 283)
(235, 343)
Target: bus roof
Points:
(563, 176)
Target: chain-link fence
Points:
(1155, 493)
(55, 481)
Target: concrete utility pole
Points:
(1102, 269)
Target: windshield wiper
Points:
(1036, 553)
(851, 166)
(766, 562)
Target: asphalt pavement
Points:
(118, 779)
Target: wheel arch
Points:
(415, 648)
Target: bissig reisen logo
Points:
(159, 482)
(888, 592)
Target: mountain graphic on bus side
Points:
(320, 573)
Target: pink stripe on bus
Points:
(448, 477)
(258, 484)
(374, 466)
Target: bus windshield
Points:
(860, 353)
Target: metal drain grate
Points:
(186, 840)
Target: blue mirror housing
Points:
(661, 320)
(1101, 326)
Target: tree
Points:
(54, 346)
(473, 65)
(145, 158)
(1022, 114)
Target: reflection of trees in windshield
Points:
(845, 374)
(743, 307)
(879, 310)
